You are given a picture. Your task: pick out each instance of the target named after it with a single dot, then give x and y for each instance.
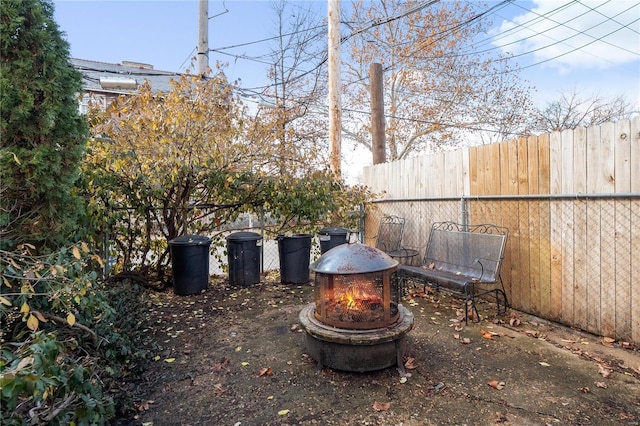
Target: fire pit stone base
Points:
(356, 350)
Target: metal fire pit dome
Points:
(353, 259)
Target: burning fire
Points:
(360, 294)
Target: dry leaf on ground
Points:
(264, 372)
(496, 384)
(379, 406)
(603, 371)
(410, 364)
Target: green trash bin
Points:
(190, 264)
(295, 256)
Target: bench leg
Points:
(505, 305)
(474, 310)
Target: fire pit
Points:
(356, 322)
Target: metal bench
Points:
(463, 258)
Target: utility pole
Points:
(377, 114)
(203, 38)
(335, 110)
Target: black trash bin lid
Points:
(190, 240)
(243, 236)
(333, 231)
(294, 236)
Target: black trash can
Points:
(295, 256)
(190, 264)
(331, 237)
(244, 251)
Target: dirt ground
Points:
(236, 356)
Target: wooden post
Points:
(335, 110)
(203, 38)
(378, 147)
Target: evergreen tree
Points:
(42, 134)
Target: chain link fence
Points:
(569, 258)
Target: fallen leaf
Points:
(218, 389)
(169, 360)
(466, 341)
(244, 363)
(602, 385)
(603, 371)
(496, 384)
(5, 301)
(71, 319)
(410, 364)
(283, 412)
(403, 380)
(378, 406)
(608, 341)
(487, 334)
(264, 372)
(514, 322)
(544, 364)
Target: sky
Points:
(591, 46)
(164, 34)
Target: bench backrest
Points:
(470, 250)
(390, 233)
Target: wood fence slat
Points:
(533, 165)
(474, 184)
(579, 160)
(530, 294)
(538, 241)
(580, 278)
(555, 163)
(600, 159)
(544, 164)
(634, 165)
(566, 163)
(466, 172)
(608, 149)
(635, 271)
(594, 256)
(510, 272)
(608, 260)
(566, 314)
(622, 157)
(622, 276)
(512, 150)
(437, 165)
(492, 169)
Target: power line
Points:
(440, 123)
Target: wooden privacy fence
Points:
(571, 201)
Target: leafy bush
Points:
(183, 162)
(64, 345)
